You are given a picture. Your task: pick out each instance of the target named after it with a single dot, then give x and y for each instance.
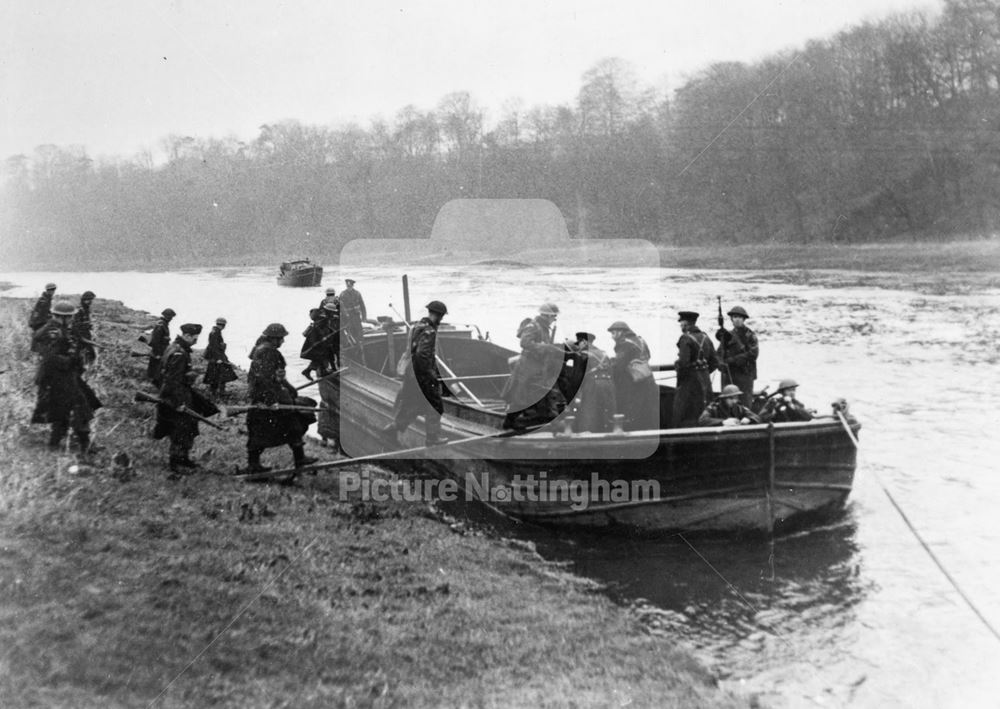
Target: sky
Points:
(117, 76)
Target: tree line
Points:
(888, 128)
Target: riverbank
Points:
(928, 258)
(124, 588)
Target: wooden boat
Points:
(301, 273)
(723, 479)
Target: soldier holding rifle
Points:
(176, 397)
(738, 350)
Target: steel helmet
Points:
(50, 286)
(618, 325)
(331, 291)
(436, 306)
(221, 321)
(738, 310)
(275, 329)
(63, 307)
(88, 295)
(787, 384)
(549, 309)
(332, 307)
(168, 313)
(730, 390)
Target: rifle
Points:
(305, 353)
(317, 381)
(144, 398)
(722, 346)
(237, 410)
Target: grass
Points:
(120, 588)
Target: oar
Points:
(847, 427)
(317, 381)
(328, 465)
(237, 410)
(147, 399)
(473, 377)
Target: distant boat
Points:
(300, 274)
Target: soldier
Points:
(267, 386)
(331, 297)
(727, 410)
(594, 403)
(43, 308)
(352, 314)
(696, 360)
(176, 378)
(532, 392)
(322, 342)
(421, 390)
(64, 399)
(83, 328)
(158, 342)
(783, 407)
(739, 349)
(635, 389)
(219, 370)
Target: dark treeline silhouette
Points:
(886, 129)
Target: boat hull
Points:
(302, 278)
(720, 480)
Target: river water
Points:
(851, 614)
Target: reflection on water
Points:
(850, 614)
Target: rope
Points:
(916, 534)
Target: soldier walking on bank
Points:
(739, 348)
(219, 370)
(352, 314)
(83, 328)
(64, 399)
(43, 308)
(267, 386)
(696, 360)
(158, 342)
(177, 396)
(421, 390)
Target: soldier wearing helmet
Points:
(727, 410)
(783, 406)
(267, 386)
(43, 307)
(178, 395)
(321, 345)
(158, 341)
(532, 392)
(739, 349)
(421, 390)
(64, 399)
(635, 389)
(83, 328)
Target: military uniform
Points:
(321, 345)
(219, 371)
(158, 342)
(778, 409)
(353, 313)
(638, 400)
(64, 399)
(696, 360)
(532, 392)
(740, 349)
(421, 390)
(594, 401)
(83, 328)
(266, 385)
(175, 378)
(722, 409)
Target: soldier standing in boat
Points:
(532, 391)
(219, 371)
(353, 314)
(43, 308)
(64, 399)
(267, 386)
(322, 342)
(594, 402)
(158, 342)
(635, 389)
(727, 410)
(696, 360)
(784, 407)
(83, 328)
(421, 390)
(740, 349)
(331, 297)
(177, 397)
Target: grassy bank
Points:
(123, 588)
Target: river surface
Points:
(854, 613)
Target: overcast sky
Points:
(116, 76)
